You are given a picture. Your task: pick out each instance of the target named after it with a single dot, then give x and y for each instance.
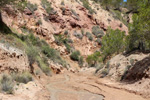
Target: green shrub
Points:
(99, 41)
(78, 35)
(52, 54)
(59, 39)
(118, 15)
(113, 42)
(44, 67)
(24, 77)
(22, 5)
(87, 6)
(35, 41)
(25, 29)
(32, 7)
(32, 54)
(62, 40)
(75, 55)
(81, 61)
(89, 35)
(97, 32)
(93, 59)
(38, 51)
(66, 32)
(47, 6)
(6, 84)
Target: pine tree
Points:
(139, 30)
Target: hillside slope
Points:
(43, 51)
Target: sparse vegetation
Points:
(99, 41)
(38, 51)
(47, 6)
(66, 32)
(93, 59)
(78, 35)
(81, 61)
(89, 35)
(63, 40)
(24, 77)
(118, 16)
(75, 55)
(97, 31)
(87, 6)
(75, 14)
(6, 84)
(31, 7)
(44, 66)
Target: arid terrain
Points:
(72, 50)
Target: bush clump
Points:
(93, 59)
(52, 54)
(74, 13)
(97, 31)
(47, 6)
(112, 42)
(6, 84)
(24, 77)
(87, 6)
(63, 40)
(89, 35)
(32, 7)
(78, 35)
(44, 66)
(40, 52)
(99, 41)
(66, 32)
(75, 55)
(81, 61)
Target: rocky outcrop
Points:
(140, 70)
(10, 61)
(127, 68)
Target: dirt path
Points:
(68, 94)
(78, 86)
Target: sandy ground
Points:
(81, 86)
